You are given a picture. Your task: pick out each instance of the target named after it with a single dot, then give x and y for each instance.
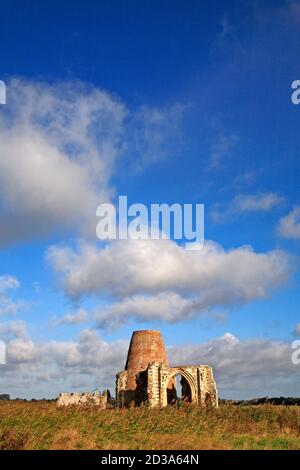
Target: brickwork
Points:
(145, 346)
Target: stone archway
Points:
(178, 389)
(187, 378)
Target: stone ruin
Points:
(148, 379)
(101, 400)
(4, 396)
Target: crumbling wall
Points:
(101, 400)
(5, 396)
(123, 396)
(208, 387)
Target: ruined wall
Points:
(101, 400)
(199, 386)
(5, 396)
(122, 398)
(208, 387)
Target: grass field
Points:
(40, 425)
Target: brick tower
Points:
(145, 346)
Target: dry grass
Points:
(40, 425)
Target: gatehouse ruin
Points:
(149, 379)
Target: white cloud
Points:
(13, 329)
(257, 202)
(289, 225)
(160, 279)
(167, 306)
(21, 350)
(245, 203)
(80, 316)
(59, 147)
(8, 306)
(244, 369)
(45, 368)
(8, 282)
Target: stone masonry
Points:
(98, 399)
(148, 378)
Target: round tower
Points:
(145, 346)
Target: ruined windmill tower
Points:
(148, 378)
(146, 346)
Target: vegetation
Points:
(40, 425)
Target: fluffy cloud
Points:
(167, 306)
(245, 203)
(59, 144)
(13, 329)
(160, 279)
(45, 368)
(8, 306)
(8, 282)
(76, 318)
(242, 369)
(289, 225)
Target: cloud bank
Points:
(242, 369)
(149, 279)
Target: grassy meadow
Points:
(40, 425)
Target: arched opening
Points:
(178, 390)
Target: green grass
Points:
(40, 425)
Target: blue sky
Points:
(186, 102)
